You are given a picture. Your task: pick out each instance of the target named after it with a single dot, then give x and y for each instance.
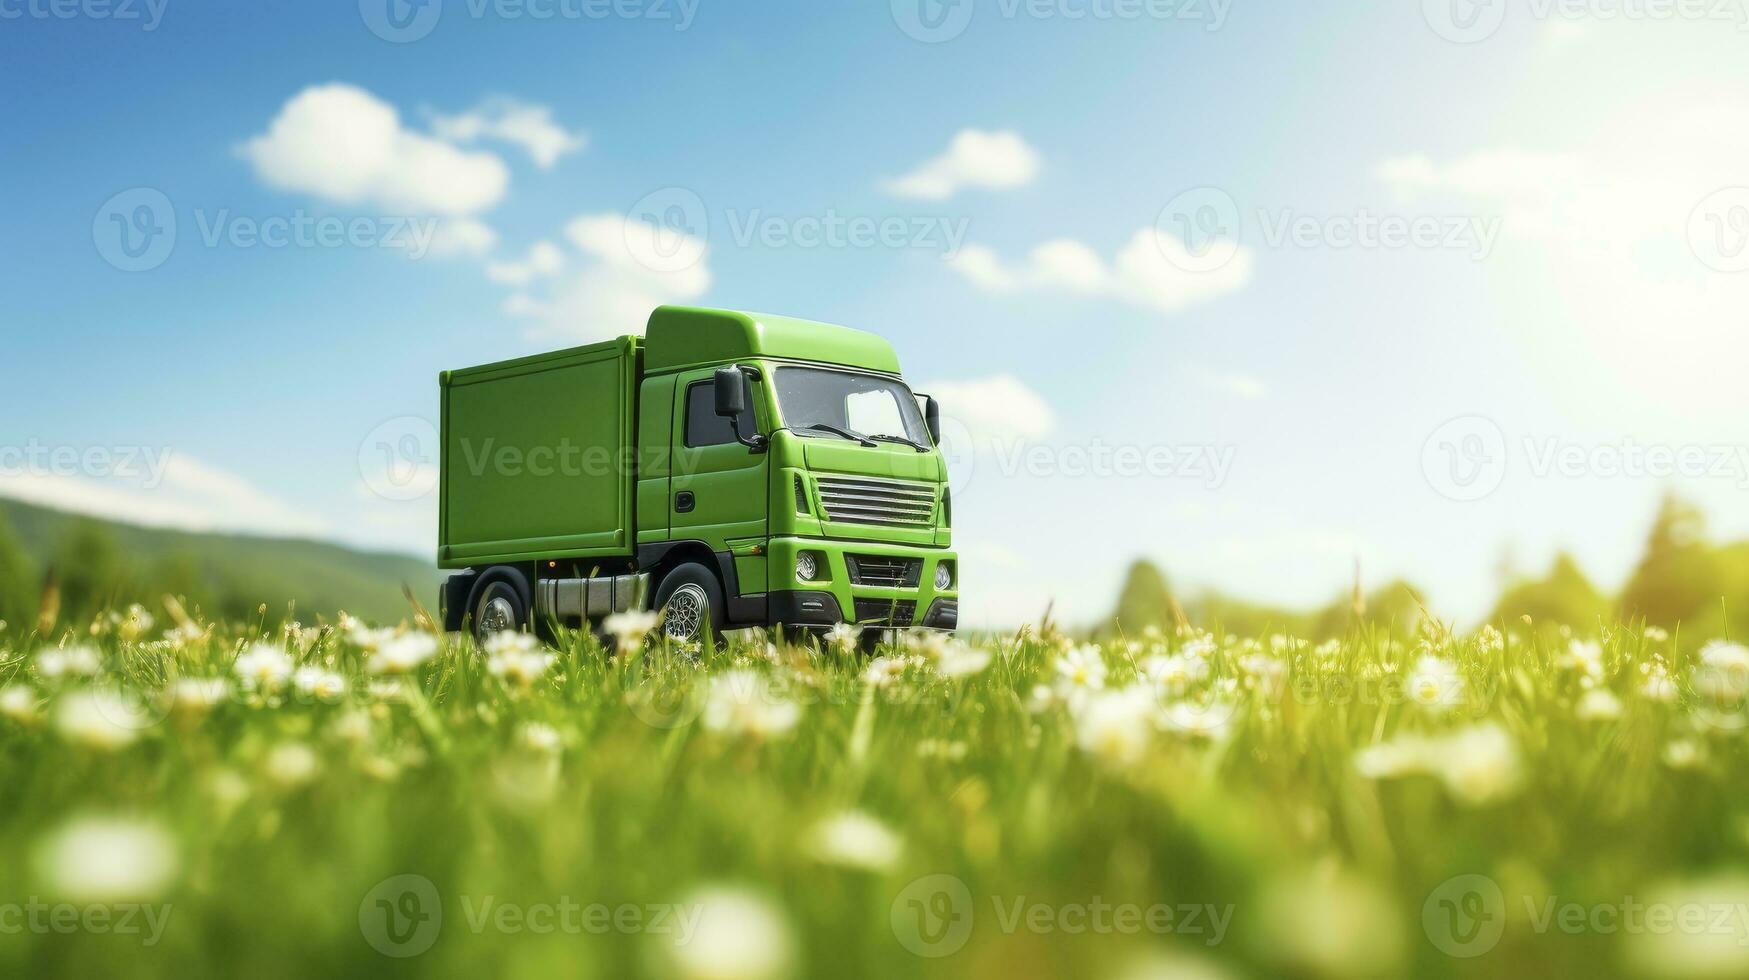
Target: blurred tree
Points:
(1145, 600)
(1393, 606)
(92, 574)
(1680, 575)
(177, 574)
(1564, 597)
(18, 581)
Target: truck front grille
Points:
(885, 612)
(890, 573)
(888, 503)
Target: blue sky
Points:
(1571, 167)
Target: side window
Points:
(704, 427)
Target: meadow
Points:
(185, 799)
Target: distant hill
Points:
(102, 563)
(1685, 581)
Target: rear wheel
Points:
(499, 604)
(691, 603)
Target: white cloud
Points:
(462, 237)
(190, 496)
(1153, 271)
(530, 127)
(342, 144)
(628, 268)
(992, 161)
(1000, 406)
(1236, 383)
(1508, 171)
(544, 259)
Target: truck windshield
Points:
(815, 402)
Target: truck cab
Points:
(727, 469)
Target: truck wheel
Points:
(499, 604)
(691, 603)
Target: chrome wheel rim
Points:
(686, 613)
(497, 616)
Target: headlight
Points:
(944, 576)
(807, 567)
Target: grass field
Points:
(187, 801)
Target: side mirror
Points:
(731, 387)
(932, 418)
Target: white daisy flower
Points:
(325, 685)
(1586, 657)
(1598, 704)
(1490, 640)
(1659, 686)
(196, 695)
(74, 661)
(1436, 685)
(403, 654)
(103, 861)
(1115, 726)
(1479, 765)
(99, 719)
(742, 702)
(1685, 753)
(292, 764)
(843, 637)
(264, 666)
(739, 936)
(1081, 668)
(540, 738)
(1209, 720)
(855, 840)
(137, 623)
(631, 628)
(19, 703)
(961, 660)
(519, 664)
(884, 671)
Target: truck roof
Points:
(681, 337)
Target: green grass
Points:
(1238, 818)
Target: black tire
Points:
(695, 584)
(452, 600)
(499, 601)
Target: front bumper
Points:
(835, 596)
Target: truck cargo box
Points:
(539, 457)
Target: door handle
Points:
(684, 502)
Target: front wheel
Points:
(499, 604)
(691, 603)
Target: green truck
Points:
(727, 469)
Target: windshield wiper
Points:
(853, 436)
(902, 441)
